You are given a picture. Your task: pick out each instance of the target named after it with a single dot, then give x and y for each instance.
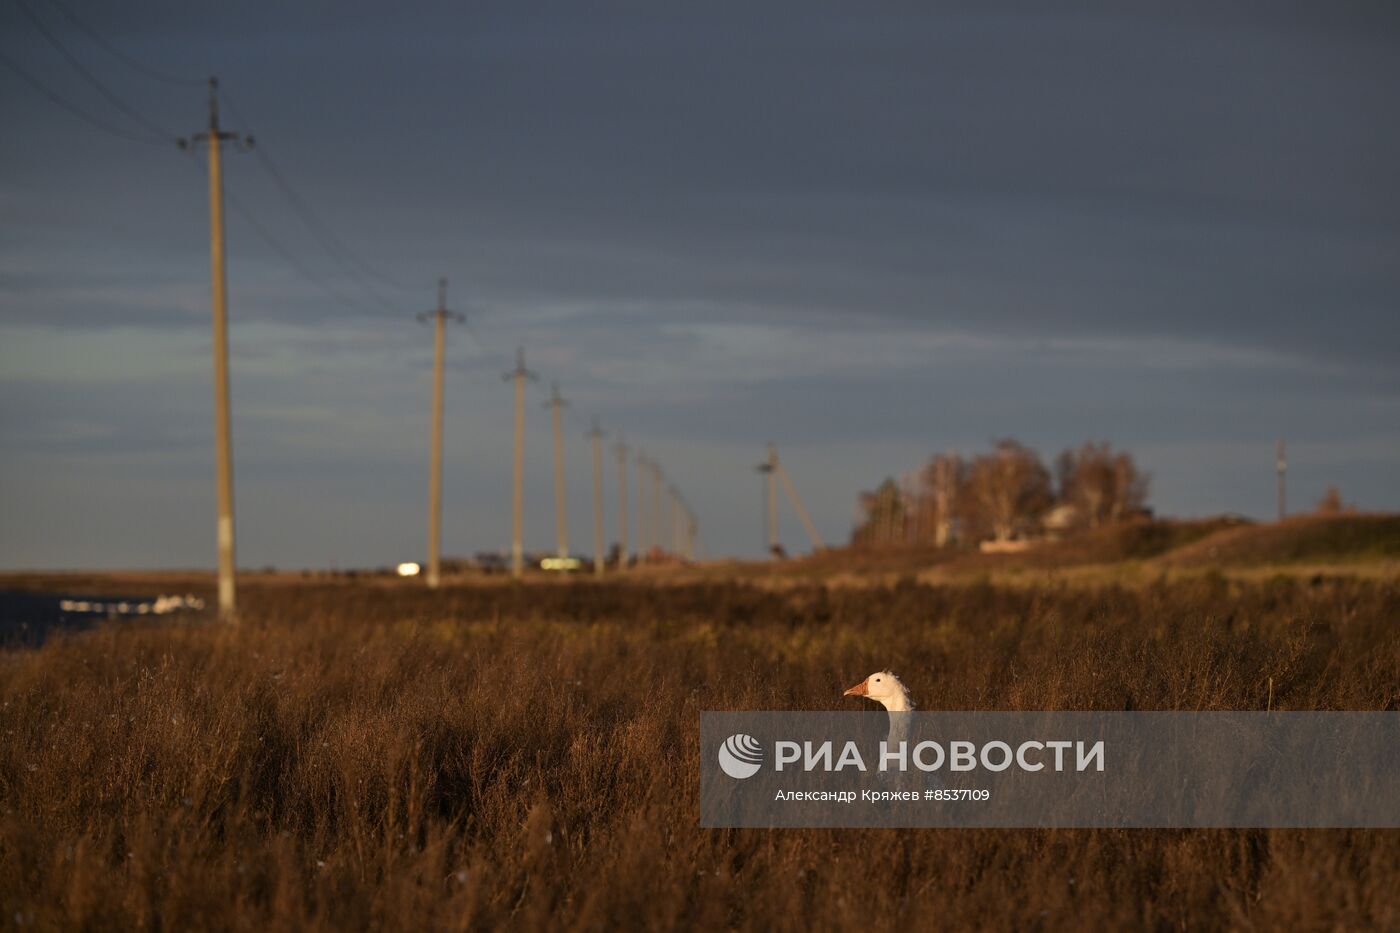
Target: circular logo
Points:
(740, 756)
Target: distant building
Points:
(1059, 521)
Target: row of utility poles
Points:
(658, 503)
(649, 503)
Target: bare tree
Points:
(884, 515)
(1103, 486)
(941, 477)
(1331, 503)
(1004, 491)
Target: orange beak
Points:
(859, 690)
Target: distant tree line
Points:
(1003, 495)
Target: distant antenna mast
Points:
(1281, 463)
(440, 318)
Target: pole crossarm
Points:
(441, 310)
(241, 141)
(520, 372)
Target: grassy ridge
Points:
(375, 756)
(1307, 538)
(1154, 545)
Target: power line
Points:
(135, 64)
(263, 234)
(154, 128)
(497, 357)
(287, 255)
(333, 244)
(77, 111)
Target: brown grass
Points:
(376, 757)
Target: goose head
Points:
(885, 688)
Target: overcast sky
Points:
(865, 232)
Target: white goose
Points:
(885, 688)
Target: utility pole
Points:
(621, 450)
(642, 519)
(675, 498)
(769, 467)
(556, 405)
(597, 437)
(439, 319)
(658, 515)
(223, 434)
(517, 552)
(1282, 465)
(775, 471)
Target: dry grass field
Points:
(369, 756)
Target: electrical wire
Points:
(497, 358)
(77, 111)
(133, 63)
(290, 258)
(324, 232)
(262, 233)
(150, 125)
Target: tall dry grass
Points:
(367, 757)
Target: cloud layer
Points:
(863, 236)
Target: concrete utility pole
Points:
(223, 434)
(769, 467)
(597, 437)
(556, 406)
(658, 508)
(517, 551)
(1282, 464)
(439, 319)
(642, 518)
(621, 450)
(675, 510)
(775, 471)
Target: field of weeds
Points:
(380, 757)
